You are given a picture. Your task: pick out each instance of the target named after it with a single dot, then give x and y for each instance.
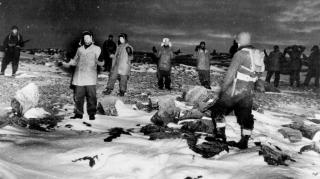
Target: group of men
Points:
(276, 60)
(86, 61)
(236, 91)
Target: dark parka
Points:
(295, 56)
(165, 56)
(314, 60)
(273, 61)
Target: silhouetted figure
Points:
(295, 53)
(234, 48)
(12, 45)
(177, 52)
(109, 48)
(154, 49)
(214, 52)
(154, 55)
(314, 66)
(272, 63)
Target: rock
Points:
(168, 112)
(36, 113)
(273, 155)
(311, 132)
(164, 119)
(191, 114)
(203, 125)
(195, 95)
(4, 113)
(107, 106)
(142, 106)
(292, 134)
(312, 147)
(25, 98)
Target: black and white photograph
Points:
(159, 89)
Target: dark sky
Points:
(53, 23)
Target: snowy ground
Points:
(33, 154)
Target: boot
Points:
(221, 133)
(92, 117)
(77, 116)
(243, 143)
(107, 91)
(121, 93)
(2, 73)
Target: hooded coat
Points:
(273, 60)
(122, 62)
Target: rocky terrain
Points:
(285, 123)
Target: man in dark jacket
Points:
(273, 62)
(295, 53)
(237, 91)
(12, 44)
(109, 48)
(314, 66)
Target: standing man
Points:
(295, 53)
(85, 76)
(109, 49)
(237, 91)
(314, 66)
(273, 60)
(233, 49)
(121, 66)
(203, 65)
(12, 45)
(165, 57)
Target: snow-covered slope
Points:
(26, 154)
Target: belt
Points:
(245, 77)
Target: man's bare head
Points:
(244, 38)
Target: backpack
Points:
(257, 58)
